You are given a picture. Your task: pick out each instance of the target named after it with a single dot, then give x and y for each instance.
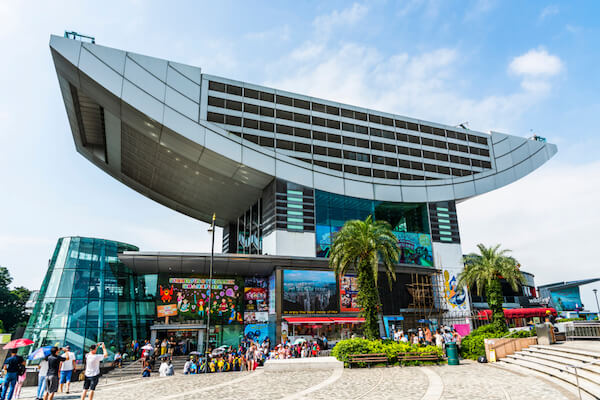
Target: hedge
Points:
(473, 347)
(345, 348)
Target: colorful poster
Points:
(309, 292)
(455, 297)
(190, 296)
(568, 299)
(416, 248)
(349, 294)
(253, 317)
(167, 310)
(256, 332)
(272, 309)
(255, 294)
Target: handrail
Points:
(583, 364)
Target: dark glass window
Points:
(270, 97)
(453, 146)
(389, 147)
(476, 163)
(216, 86)
(333, 110)
(439, 132)
(318, 107)
(287, 130)
(288, 101)
(251, 93)
(300, 132)
(231, 120)
(481, 140)
(388, 135)
(334, 138)
(455, 159)
(387, 121)
(362, 157)
(266, 141)
(465, 161)
(333, 124)
(416, 165)
(320, 150)
(303, 147)
(349, 141)
(319, 121)
(302, 118)
(320, 163)
(347, 127)
(378, 159)
(377, 173)
(362, 129)
(334, 152)
(463, 148)
(375, 118)
(375, 132)
(285, 115)
(484, 152)
(430, 168)
(414, 139)
(443, 170)
(215, 117)
(216, 102)
(441, 157)
(362, 143)
(319, 136)
(427, 142)
(426, 129)
(250, 108)
(267, 126)
(267, 111)
(451, 134)
(361, 116)
(285, 144)
(412, 126)
(347, 113)
(364, 171)
(391, 161)
(302, 104)
(232, 89)
(461, 136)
(404, 163)
(415, 152)
(233, 105)
(439, 144)
(403, 150)
(351, 169)
(391, 175)
(402, 137)
(486, 164)
(252, 138)
(335, 166)
(376, 146)
(250, 123)
(400, 124)
(350, 155)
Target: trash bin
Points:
(452, 353)
(545, 333)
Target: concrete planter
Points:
(506, 346)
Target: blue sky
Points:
(516, 67)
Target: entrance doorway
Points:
(186, 339)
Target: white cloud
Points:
(349, 16)
(536, 63)
(549, 11)
(478, 9)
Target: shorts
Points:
(51, 384)
(65, 376)
(90, 382)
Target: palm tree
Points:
(361, 246)
(484, 270)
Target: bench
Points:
(368, 358)
(416, 356)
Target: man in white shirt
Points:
(92, 369)
(66, 370)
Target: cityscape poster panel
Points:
(309, 292)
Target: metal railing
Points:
(575, 367)
(78, 36)
(582, 330)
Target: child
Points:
(20, 381)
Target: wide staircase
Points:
(557, 362)
(133, 369)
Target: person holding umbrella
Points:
(13, 365)
(38, 354)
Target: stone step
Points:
(561, 366)
(585, 385)
(579, 361)
(568, 349)
(575, 358)
(528, 371)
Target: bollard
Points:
(452, 353)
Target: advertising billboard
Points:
(416, 248)
(309, 292)
(349, 294)
(187, 298)
(567, 299)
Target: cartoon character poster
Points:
(256, 294)
(455, 296)
(349, 294)
(416, 248)
(190, 296)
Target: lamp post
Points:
(210, 278)
(597, 306)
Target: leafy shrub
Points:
(473, 347)
(345, 348)
(570, 319)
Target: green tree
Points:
(362, 246)
(12, 302)
(484, 271)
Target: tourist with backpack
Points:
(14, 367)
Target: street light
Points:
(210, 274)
(597, 306)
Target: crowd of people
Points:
(427, 337)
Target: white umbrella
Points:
(147, 347)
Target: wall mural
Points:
(416, 248)
(455, 297)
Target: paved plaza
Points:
(467, 381)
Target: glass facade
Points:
(89, 296)
(409, 222)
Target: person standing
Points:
(92, 369)
(54, 361)
(66, 370)
(42, 371)
(12, 365)
(20, 381)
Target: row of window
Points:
(327, 109)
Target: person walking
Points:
(12, 366)
(54, 361)
(19, 385)
(92, 369)
(66, 370)
(42, 371)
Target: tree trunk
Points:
(494, 300)
(368, 298)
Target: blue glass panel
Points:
(81, 283)
(66, 283)
(60, 313)
(78, 313)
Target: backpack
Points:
(21, 370)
